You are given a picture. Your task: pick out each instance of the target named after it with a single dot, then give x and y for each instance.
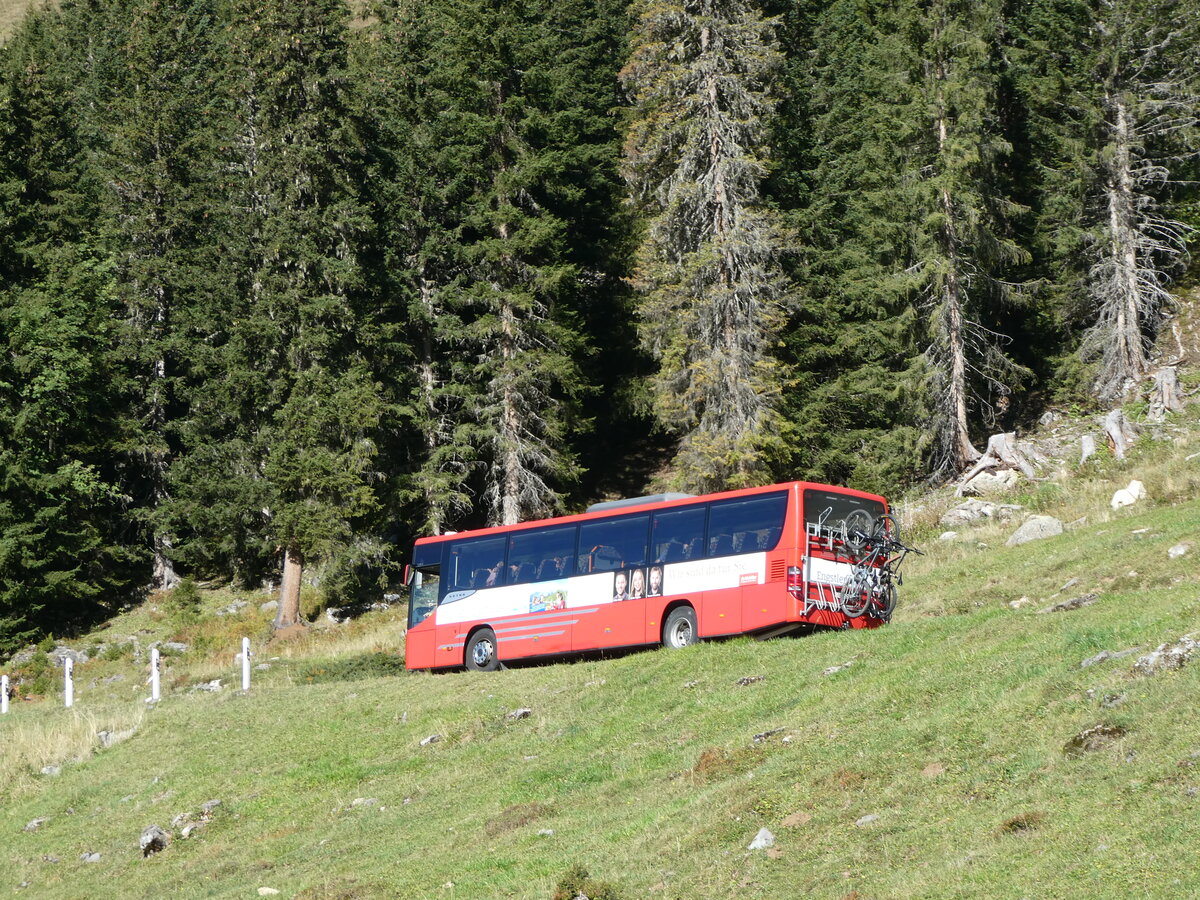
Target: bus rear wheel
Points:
(480, 654)
(680, 628)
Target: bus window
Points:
(475, 563)
(424, 583)
(542, 554)
(424, 595)
(674, 532)
(829, 508)
(613, 544)
(746, 526)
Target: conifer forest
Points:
(286, 283)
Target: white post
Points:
(155, 681)
(68, 682)
(245, 664)
(3, 694)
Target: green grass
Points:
(950, 726)
(608, 762)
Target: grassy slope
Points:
(948, 725)
(11, 13)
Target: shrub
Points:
(576, 881)
(183, 603)
(117, 651)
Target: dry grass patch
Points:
(1023, 823)
(517, 816)
(45, 736)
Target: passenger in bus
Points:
(493, 577)
(656, 580)
(621, 586)
(637, 585)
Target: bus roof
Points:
(648, 504)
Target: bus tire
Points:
(679, 630)
(480, 653)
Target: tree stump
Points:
(1002, 453)
(1119, 432)
(1166, 396)
(1087, 448)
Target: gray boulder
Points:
(764, 840)
(991, 483)
(154, 840)
(1036, 528)
(60, 655)
(1169, 656)
(973, 511)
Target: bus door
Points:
(424, 585)
(741, 534)
(613, 576)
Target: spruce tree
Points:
(857, 406)
(1112, 89)
(279, 445)
(158, 161)
(502, 165)
(68, 548)
(712, 304)
(961, 248)
(911, 213)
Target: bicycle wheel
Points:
(886, 527)
(854, 595)
(857, 528)
(885, 602)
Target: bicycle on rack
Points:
(876, 553)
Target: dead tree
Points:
(1151, 94)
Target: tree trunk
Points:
(427, 377)
(165, 577)
(962, 451)
(1128, 362)
(510, 425)
(288, 613)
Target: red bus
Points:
(670, 570)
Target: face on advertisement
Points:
(620, 585)
(656, 581)
(637, 585)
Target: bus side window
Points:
(734, 524)
(678, 533)
(472, 556)
(613, 544)
(540, 554)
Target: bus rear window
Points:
(829, 509)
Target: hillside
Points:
(936, 764)
(11, 12)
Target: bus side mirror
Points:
(408, 573)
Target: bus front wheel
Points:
(480, 655)
(680, 628)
